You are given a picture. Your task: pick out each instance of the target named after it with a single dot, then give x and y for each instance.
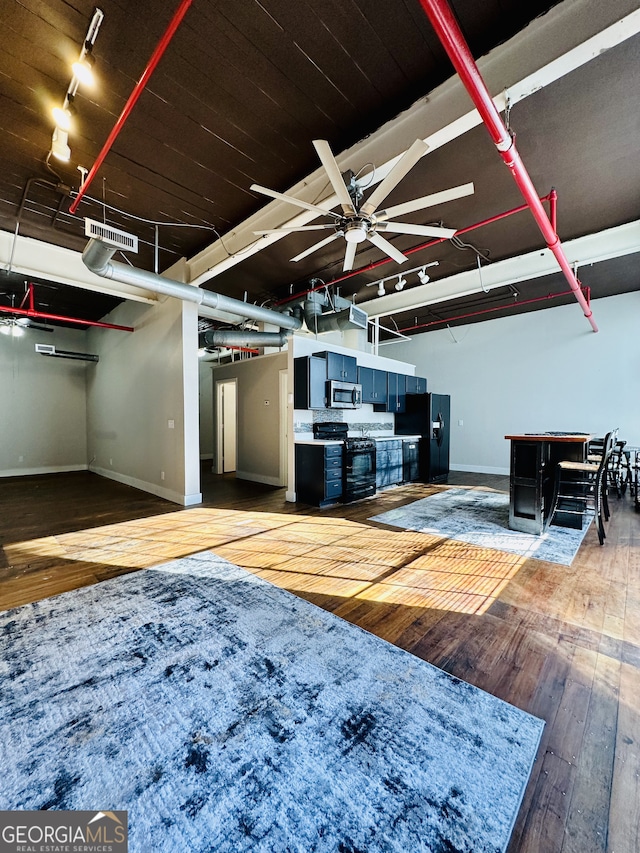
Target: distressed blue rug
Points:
(227, 715)
(482, 518)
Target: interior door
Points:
(227, 426)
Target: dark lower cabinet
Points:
(411, 460)
(319, 473)
(389, 465)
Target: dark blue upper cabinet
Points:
(374, 385)
(309, 382)
(396, 392)
(416, 385)
(343, 368)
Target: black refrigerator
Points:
(428, 415)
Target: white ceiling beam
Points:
(35, 259)
(449, 104)
(592, 249)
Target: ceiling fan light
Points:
(5, 330)
(355, 232)
(83, 69)
(60, 145)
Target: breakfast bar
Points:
(532, 475)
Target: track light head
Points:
(62, 117)
(423, 276)
(381, 290)
(400, 283)
(60, 145)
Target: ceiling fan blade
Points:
(404, 164)
(349, 257)
(316, 246)
(426, 201)
(291, 200)
(293, 230)
(386, 247)
(421, 230)
(335, 176)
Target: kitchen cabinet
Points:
(309, 382)
(319, 473)
(389, 469)
(343, 368)
(416, 385)
(374, 385)
(396, 392)
(410, 460)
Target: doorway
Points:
(226, 426)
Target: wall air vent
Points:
(46, 349)
(358, 317)
(113, 237)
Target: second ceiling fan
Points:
(360, 221)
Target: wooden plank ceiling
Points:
(241, 92)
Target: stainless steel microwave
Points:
(343, 395)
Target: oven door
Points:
(359, 474)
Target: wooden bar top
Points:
(551, 436)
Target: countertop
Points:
(375, 438)
(573, 438)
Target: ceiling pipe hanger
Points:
(450, 36)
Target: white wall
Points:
(43, 409)
(142, 410)
(258, 449)
(544, 370)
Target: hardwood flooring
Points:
(560, 642)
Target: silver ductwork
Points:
(234, 338)
(334, 321)
(97, 257)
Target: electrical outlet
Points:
(171, 424)
(20, 458)
(110, 461)
(460, 423)
(162, 475)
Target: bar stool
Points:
(581, 486)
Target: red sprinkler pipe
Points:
(40, 315)
(133, 97)
(450, 35)
(489, 310)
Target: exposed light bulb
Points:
(83, 70)
(400, 283)
(62, 117)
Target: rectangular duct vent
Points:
(45, 349)
(358, 317)
(113, 237)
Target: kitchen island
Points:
(534, 458)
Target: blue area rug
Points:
(482, 518)
(227, 715)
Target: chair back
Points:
(607, 449)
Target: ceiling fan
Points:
(363, 221)
(15, 326)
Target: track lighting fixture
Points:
(402, 278)
(82, 75)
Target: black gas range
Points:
(359, 460)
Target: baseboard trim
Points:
(258, 478)
(480, 469)
(44, 469)
(152, 488)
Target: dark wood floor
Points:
(562, 643)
